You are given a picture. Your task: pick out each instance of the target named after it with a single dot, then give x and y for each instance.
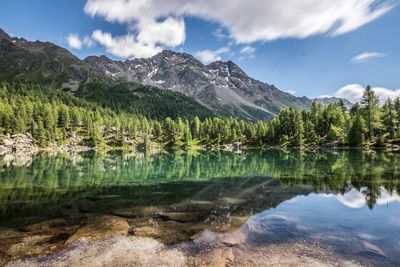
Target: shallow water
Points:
(344, 202)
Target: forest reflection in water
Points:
(45, 183)
(259, 197)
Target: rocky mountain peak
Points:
(4, 35)
(227, 69)
(220, 86)
(172, 57)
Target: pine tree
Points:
(298, 130)
(397, 118)
(196, 128)
(356, 132)
(389, 118)
(316, 116)
(40, 134)
(169, 131)
(342, 105)
(188, 137)
(371, 111)
(95, 135)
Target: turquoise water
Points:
(337, 198)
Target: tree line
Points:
(54, 117)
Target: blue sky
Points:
(311, 48)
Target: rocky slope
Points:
(43, 62)
(332, 99)
(220, 86)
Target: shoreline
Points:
(24, 144)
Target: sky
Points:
(306, 47)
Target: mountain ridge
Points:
(222, 87)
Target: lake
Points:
(259, 207)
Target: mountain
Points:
(4, 35)
(45, 62)
(331, 99)
(148, 101)
(221, 86)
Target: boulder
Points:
(370, 249)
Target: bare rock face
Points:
(330, 100)
(220, 86)
(4, 35)
(17, 143)
(51, 63)
(101, 228)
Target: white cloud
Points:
(126, 46)
(324, 96)
(74, 41)
(170, 32)
(354, 92)
(208, 56)
(247, 50)
(355, 199)
(249, 21)
(145, 38)
(363, 57)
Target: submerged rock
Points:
(168, 232)
(31, 246)
(46, 225)
(6, 232)
(370, 249)
(181, 216)
(137, 212)
(101, 228)
(118, 251)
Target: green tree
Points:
(196, 128)
(371, 110)
(40, 134)
(298, 130)
(356, 132)
(389, 118)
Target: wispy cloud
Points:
(247, 50)
(366, 56)
(220, 34)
